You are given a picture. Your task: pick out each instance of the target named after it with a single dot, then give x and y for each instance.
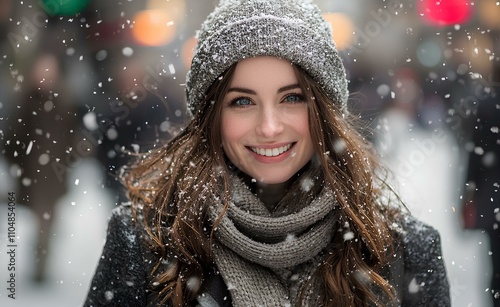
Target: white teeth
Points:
(271, 152)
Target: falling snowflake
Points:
(307, 184)
(413, 287)
(348, 236)
(109, 295)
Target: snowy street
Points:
(75, 247)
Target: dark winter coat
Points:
(121, 279)
(483, 172)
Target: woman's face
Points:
(265, 126)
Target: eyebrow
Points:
(252, 92)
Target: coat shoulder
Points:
(415, 231)
(425, 273)
(120, 276)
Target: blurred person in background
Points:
(481, 208)
(135, 95)
(137, 111)
(399, 115)
(40, 133)
(6, 80)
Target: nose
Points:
(270, 122)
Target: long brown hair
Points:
(173, 184)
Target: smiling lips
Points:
(271, 152)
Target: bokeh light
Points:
(153, 28)
(489, 13)
(64, 8)
(342, 29)
(429, 53)
(445, 12)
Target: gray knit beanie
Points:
(290, 29)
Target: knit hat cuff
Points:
(304, 47)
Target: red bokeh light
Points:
(445, 12)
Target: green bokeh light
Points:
(63, 7)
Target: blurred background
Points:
(84, 83)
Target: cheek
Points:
(300, 122)
(231, 130)
(301, 125)
(231, 135)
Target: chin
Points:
(273, 179)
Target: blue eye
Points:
(294, 98)
(241, 102)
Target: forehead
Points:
(263, 71)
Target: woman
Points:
(268, 197)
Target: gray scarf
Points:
(267, 260)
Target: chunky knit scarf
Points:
(269, 260)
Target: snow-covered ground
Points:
(78, 237)
(427, 179)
